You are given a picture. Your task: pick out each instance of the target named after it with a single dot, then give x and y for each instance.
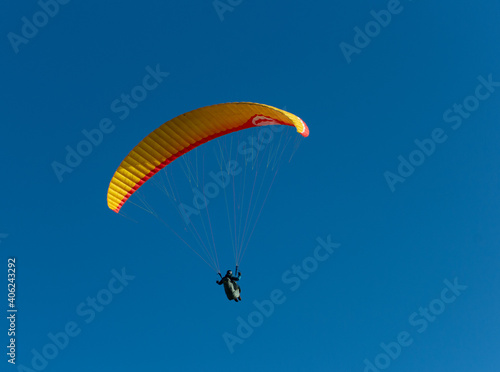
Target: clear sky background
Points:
(397, 247)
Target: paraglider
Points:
(232, 289)
(187, 132)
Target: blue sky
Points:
(429, 241)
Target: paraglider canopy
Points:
(186, 132)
